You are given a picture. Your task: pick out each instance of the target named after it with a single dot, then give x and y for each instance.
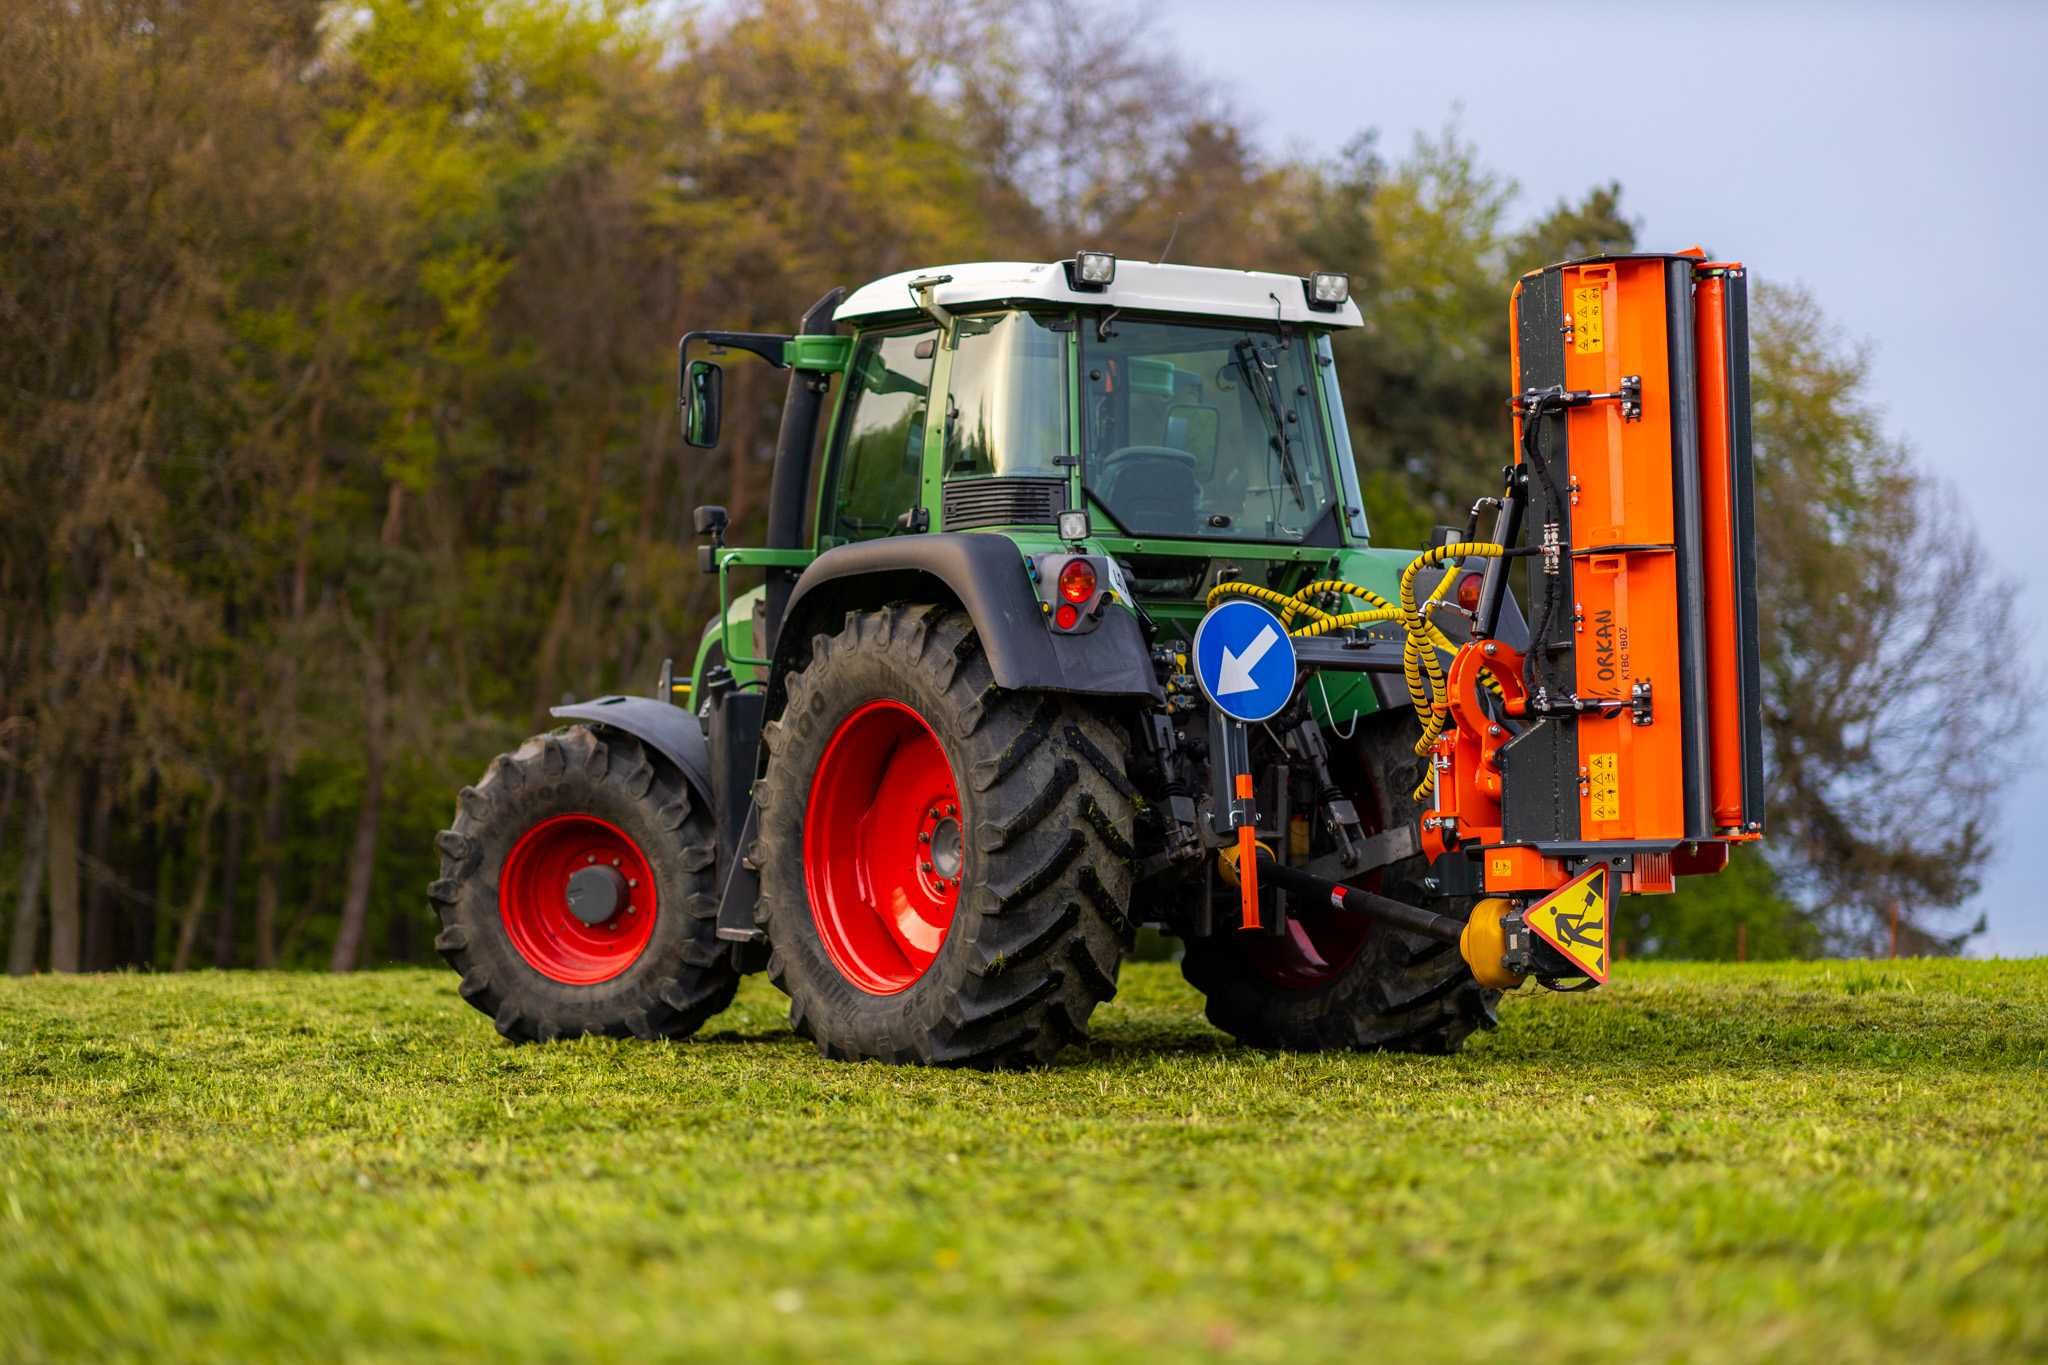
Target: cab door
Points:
(873, 484)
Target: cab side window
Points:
(875, 474)
(1008, 408)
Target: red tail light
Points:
(1468, 592)
(1067, 616)
(1077, 581)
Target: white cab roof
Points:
(1139, 286)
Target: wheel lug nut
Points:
(924, 836)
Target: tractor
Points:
(1069, 625)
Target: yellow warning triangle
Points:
(1574, 920)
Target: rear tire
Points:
(560, 803)
(1034, 918)
(1395, 991)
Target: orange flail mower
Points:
(1638, 735)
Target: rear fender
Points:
(984, 574)
(671, 731)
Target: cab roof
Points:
(1140, 286)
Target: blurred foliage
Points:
(337, 440)
(1741, 911)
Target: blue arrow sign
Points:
(1244, 660)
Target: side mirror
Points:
(710, 521)
(703, 402)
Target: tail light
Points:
(1077, 583)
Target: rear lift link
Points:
(1495, 941)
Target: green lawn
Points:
(1841, 1161)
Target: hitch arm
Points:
(1338, 896)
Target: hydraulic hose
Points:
(1289, 607)
(1421, 670)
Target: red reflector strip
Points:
(1248, 873)
(1337, 895)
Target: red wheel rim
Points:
(1318, 945)
(884, 847)
(535, 903)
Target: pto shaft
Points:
(1399, 914)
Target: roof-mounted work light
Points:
(1094, 269)
(1328, 290)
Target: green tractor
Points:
(966, 738)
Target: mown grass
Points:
(1839, 1161)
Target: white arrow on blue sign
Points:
(1244, 661)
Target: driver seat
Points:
(1152, 492)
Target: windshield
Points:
(1204, 430)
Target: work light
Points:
(1073, 526)
(1094, 269)
(1328, 289)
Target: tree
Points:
(1740, 911)
(1430, 257)
(1887, 745)
(337, 439)
(1595, 226)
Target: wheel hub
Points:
(596, 893)
(939, 863)
(577, 899)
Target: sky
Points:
(1892, 158)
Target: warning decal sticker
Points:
(1573, 920)
(1603, 786)
(1588, 335)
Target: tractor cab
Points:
(1163, 402)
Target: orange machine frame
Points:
(1636, 369)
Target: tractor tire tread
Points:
(1039, 934)
(685, 975)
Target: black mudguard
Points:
(985, 573)
(673, 731)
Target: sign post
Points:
(1246, 667)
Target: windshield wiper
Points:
(1258, 378)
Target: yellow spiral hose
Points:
(1421, 669)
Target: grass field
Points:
(1841, 1161)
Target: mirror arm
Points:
(767, 345)
(921, 294)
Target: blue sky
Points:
(1892, 158)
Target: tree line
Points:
(336, 436)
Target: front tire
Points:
(576, 894)
(945, 865)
